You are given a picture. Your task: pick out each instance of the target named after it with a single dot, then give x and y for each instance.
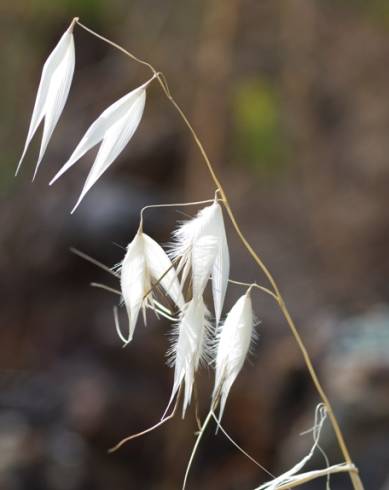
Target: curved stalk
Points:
(354, 475)
(356, 481)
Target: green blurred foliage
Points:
(376, 10)
(258, 136)
(90, 8)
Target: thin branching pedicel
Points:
(200, 250)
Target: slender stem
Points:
(335, 424)
(342, 444)
(93, 261)
(170, 205)
(196, 445)
(357, 483)
(196, 400)
(253, 460)
(146, 431)
(125, 340)
(117, 46)
(105, 287)
(254, 285)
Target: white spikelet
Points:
(201, 246)
(145, 264)
(53, 90)
(233, 343)
(191, 345)
(113, 128)
(221, 266)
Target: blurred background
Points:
(291, 100)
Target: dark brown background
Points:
(291, 99)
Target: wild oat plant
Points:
(198, 253)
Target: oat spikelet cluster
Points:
(197, 256)
(198, 253)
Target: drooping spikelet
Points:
(53, 91)
(113, 128)
(201, 246)
(233, 343)
(190, 347)
(144, 264)
(293, 477)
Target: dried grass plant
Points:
(199, 253)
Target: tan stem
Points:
(354, 475)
